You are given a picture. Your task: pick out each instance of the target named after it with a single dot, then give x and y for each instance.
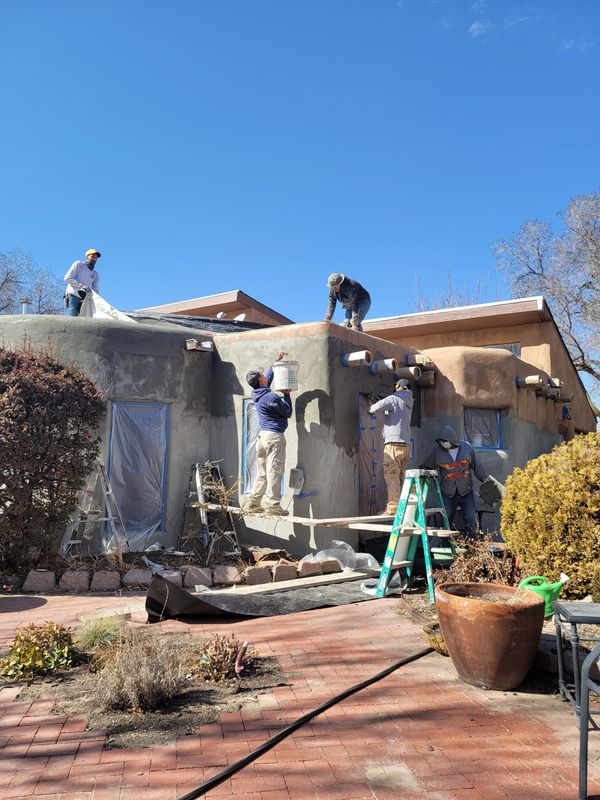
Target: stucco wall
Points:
(136, 362)
(541, 347)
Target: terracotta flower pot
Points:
(491, 631)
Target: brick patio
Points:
(419, 733)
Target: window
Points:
(483, 428)
(512, 347)
(137, 468)
(250, 440)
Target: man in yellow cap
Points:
(81, 278)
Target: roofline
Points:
(539, 300)
(233, 296)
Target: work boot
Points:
(276, 511)
(252, 508)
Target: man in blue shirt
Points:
(273, 414)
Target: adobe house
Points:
(169, 407)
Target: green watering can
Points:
(548, 591)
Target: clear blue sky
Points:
(208, 145)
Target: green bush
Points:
(551, 514)
(48, 445)
(98, 634)
(37, 650)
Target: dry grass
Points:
(143, 672)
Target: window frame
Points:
(498, 412)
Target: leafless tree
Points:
(564, 266)
(21, 277)
(476, 292)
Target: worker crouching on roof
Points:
(396, 436)
(81, 278)
(273, 414)
(353, 297)
(456, 463)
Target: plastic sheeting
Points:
(98, 307)
(138, 449)
(251, 431)
(482, 427)
(372, 491)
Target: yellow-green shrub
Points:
(38, 649)
(551, 513)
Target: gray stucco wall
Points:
(141, 363)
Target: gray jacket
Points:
(396, 425)
(455, 474)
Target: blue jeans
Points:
(73, 306)
(467, 506)
(362, 313)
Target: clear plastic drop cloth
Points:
(251, 431)
(138, 449)
(345, 555)
(99, 308)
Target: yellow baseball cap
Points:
(93, 252)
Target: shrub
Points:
(98, 634)
(48, 445)
(551, 513)
(144, 672)
(477, 563)
(37, 650)
(595, 584)
(217, 658)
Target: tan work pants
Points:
(270, 457)
(395, 459)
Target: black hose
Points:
(289, 729)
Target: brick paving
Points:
(419, 733)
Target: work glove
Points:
(82, 293)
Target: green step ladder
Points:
(410, 526)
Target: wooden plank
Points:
(298, 583)
(313, 522)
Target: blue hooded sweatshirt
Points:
(273, 410)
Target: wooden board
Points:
(313, 522)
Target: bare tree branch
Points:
(565, 268)
(20, 277)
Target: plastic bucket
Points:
(285, 376)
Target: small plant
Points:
(98, 634)
(37, 650)
(217, 658)
(478, 564)
(144, 672)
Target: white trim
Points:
(538, 298)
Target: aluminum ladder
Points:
(410, 526)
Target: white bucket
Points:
(285, 376)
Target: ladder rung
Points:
(440, 533)
(435, 510)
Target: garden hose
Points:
(289, 729)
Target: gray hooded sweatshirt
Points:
(396, 425)
(455, 474)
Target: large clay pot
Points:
(491, 631)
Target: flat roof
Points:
(222, 300)
(472, 317)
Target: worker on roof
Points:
(81, 278)
(353, 297)
(397, 408)
(456, 464)
(273, 414)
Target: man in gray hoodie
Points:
(396, 436)
(456, 463)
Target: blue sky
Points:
(208, 145)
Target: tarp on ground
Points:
(167, 601)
